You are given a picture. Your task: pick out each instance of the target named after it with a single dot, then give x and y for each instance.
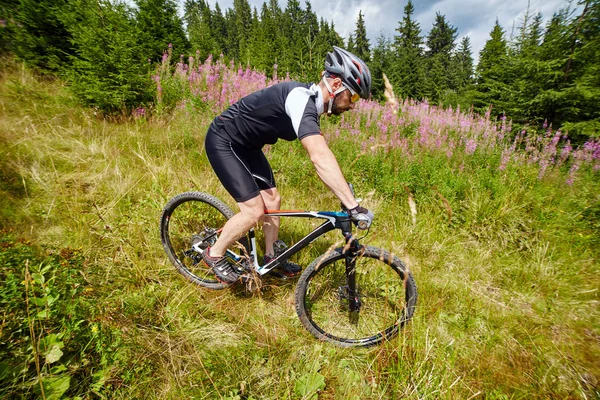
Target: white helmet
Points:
(350, 69)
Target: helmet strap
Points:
(332, 94)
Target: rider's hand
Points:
(362, 217)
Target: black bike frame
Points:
(334, 220)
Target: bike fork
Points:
(352, 292)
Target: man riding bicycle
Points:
(289, 111)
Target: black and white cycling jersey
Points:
(287, 110)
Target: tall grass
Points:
(504, 250)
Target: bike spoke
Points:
(379, 289)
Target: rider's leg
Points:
(270, 226)
(250, 214)
(272, 201)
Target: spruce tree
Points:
(8, 27)
(524, 67)
(294, 37)
(461, 76)
(264, 41)
(435, 84)
(491, 69)
(581, 114)
(407, 69)
(440, 43)
(441, 37)
(548, 103)
(42, 39)
(310, 21)
(232, 48)
(351, 46)
(108, 70)
(243, 24)
(463, 64)
(312, 62)
(280, 41)
(335, 39)
(158, 26)
(361, 46)
(219, 30)
(198, 21)
(379, 65)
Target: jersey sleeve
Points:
(300, 107)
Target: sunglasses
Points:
(354, 97)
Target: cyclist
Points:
(289, 111)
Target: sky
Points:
(473, 18)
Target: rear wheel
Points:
(383, 301)
(191, 217)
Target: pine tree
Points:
(312, 62)
(407, 69)
(158, 26)
(219, 30)
(463, 64)
(351, 46)
(243, 23)
(41, 37)
(524, 67)
(361, 45)
(198, 21)
(581, 114)
(440, 43)
(8, 27)
(380, 64)
(294, 37)
(490, 77)
(107, 71)
(441, 37)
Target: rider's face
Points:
(342, 103)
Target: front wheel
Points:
(364, 310)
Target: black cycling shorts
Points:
(244, 173)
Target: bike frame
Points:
(333, 220)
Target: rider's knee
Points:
(271, 198)
(254, 213)
(274, 202)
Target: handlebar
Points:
(361, 223)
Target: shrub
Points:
(108, 71)
(51, 345)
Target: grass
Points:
(506, 264)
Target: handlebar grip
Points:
(363, 225)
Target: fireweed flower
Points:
(470, 146)
(417, 127)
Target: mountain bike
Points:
(353, 295)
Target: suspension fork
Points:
(352, 249)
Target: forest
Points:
(534, 73)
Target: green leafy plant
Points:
(50, 345)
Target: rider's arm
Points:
(328, 168)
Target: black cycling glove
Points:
(362, 217)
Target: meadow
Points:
(500, 227)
